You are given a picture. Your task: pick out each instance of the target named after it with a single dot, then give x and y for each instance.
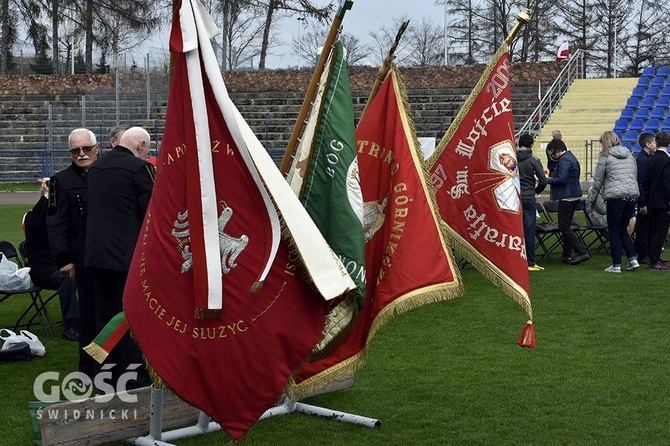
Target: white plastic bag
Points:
(13, 278)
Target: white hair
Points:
(75, 131)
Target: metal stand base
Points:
(204, 425)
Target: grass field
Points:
(451, 373)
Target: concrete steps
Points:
(588, 109)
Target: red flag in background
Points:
(408, 263)
(208, 238)
(474, 171)
(563, 52)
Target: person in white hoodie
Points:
(616, 178)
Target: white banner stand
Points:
(157, 437)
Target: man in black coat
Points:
(43, 270)
(657, 189)
(648, 144)
(66, 226)
(120, 186)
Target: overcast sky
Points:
(364, 16)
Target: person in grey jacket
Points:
(616, 179)
(566, 189)
(532, 181)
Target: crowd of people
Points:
(631, 193)
(82, 234)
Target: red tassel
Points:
(527, 338)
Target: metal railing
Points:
(574, 69)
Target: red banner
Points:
(232, 364)
(408, 262)
(474, 171)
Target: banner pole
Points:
(311, 90)
(386, 65)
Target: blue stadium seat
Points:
(648, 71)
(619, 134)
(637, 149)
(642, 113)
(636, 124)
(627, 113)
(628, 145)
(663, 71)
(644, 81)
(666, 124)
(663, 101)
(653, 92)
(665, 91)
(621, 125)
(658, 113)
(648, 102)
(658, 81)
(633, 103)
(630, 135)
(652, 125)
(638, 92)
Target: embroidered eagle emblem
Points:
(229, 247)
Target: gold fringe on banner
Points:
(414, 299)
(490, 271)
(96, 352)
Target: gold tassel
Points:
(204, 313)
(256, 287)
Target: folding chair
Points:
(552, 208)
(547, 236)
(36, 309)
(595, 237)
(26, 262)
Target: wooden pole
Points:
(384, 69)
(311, 90)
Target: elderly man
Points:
(66, 226)
(120, 186)
(115, 135)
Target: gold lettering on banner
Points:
(227, 330)
(402, 202)
(479, 228)
(215, 146)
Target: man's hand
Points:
(68, 270)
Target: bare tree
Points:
(464, 42)
(642, 46)
(383, 39)
(6, 30)
(579, 22)
(538, 38)
(304, 8)
(310, 43)
(613, 17)
(426, 39)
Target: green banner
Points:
(331, 191)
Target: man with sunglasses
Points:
(66, 225)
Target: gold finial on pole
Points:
(522, 18)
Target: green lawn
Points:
(451, 372)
